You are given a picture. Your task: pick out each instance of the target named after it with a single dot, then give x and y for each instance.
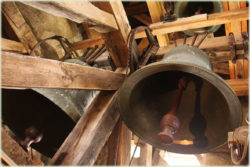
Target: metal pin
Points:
(195, 36)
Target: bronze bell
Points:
(187, 9)
(207, 108)
(44, 117)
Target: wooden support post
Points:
(13, 46)
(20, 27)
(29, 72)
(79, 12)
(158, 158)
(189, 23)
(145, 154)
(156, 10)
(86, 140)
(237, 70)
(117, 41)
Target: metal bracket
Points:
(232, 45)
(245, 44)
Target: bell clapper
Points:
(169, 122)
(32, 135)
(198, 123)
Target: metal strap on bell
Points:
(208, 108)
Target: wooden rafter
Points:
(212, 19)
(32, 72)
(10, 45)
(157, 10)
(117, 41)
(79, 12)
(88, 43)
(20, 27)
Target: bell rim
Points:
(188, 68)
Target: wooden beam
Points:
(157, 10)
(240, 86)
(214, 44)
(145, 19)
(33, 72)
(10, 45)
(158, 158)
(88, 43)
(117, 41)
(20, 27)
(86, 140)
(212, 19)
(91, 33)
(145, 154)
(78, 12)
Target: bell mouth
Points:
(187, 9)
(149, 92)
(24, 108)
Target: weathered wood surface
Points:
(212, 19)
(156, 10)
(86, 140)
(240, 86)
(88, 43)
(20, 27)
(33, 72)
(78, 12)
(117, 41)
(145, 19)
(213, 44)
(14, 46)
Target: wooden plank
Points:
(212, 19)
(10, 45)
(78, 12)
(214, 44)
(117, 41)
(33, 72)
(239, 70)
(158, 158)
(88, 43)
(156, 10)
(20, 27)
(143, 18)
(86, 140)
(145, 154)
(240, 86)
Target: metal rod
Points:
(204, 37)
(195, 36)
(175, 44)
(185, 39)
